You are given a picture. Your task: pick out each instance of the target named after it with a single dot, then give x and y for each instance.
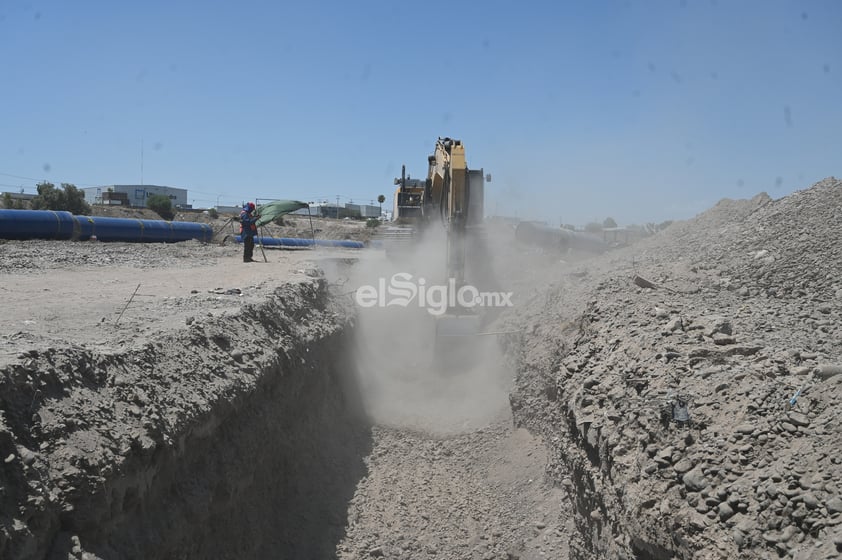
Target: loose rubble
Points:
(744, 329)
(480, 495)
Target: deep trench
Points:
(263, 454)
(268, 475)
(267, 472)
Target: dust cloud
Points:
(410, 379)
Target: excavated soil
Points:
(678, 398)
(692, 406)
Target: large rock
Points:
(798, 419)
(725, 512)
(714, 324)
(834, 504)
(695, 480)
(746, 429)
(826, 371)
(809, 499)
(683, 466)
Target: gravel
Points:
(747, 331)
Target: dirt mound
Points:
(699, 418)
(124, 212)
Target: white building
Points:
(133, 195)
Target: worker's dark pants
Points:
(248, 248)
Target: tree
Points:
(609, 223)
(372, 222)
(7, 200)
(47, 197)
(75, 199)
(380, 200)
(68, 198)
(162, 205)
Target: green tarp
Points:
(272, 210)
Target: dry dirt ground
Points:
(678, 398)
(79, 293)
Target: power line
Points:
(39, 180)
(79, 184)
(19, 177)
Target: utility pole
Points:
(141, 161)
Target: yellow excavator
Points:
(452, 196)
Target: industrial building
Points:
(363, 210)
(329, 210)
(134, 195)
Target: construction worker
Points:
(248, 229)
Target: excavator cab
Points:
(410, 198)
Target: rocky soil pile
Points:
(694, 411)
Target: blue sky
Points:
(643, 111)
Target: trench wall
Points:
(235, 437)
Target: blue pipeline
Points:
(296, 242)
(49, 224)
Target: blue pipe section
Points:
(35, 224)
(297, 242)
(49, 224)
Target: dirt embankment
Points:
(743, 327)
(152, 452)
